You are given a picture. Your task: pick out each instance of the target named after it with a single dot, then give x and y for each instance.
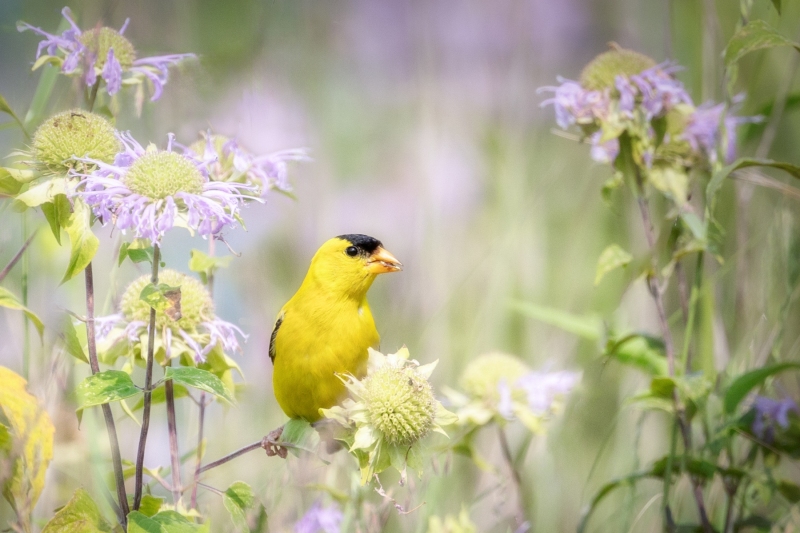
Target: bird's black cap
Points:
(364, 243)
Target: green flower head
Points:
(391, 410)
(71, 134)
(196, 305)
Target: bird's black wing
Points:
(272, 338)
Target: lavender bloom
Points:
(603, 152)
(574, 104)
(151, 191)
(102, 52)
(659, 90)
(227, 160)
(709, 126)
(320, 519)
(541, 389)
(770, 414)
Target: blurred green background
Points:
(426, 132)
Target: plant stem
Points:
(199, 461)
(175, 461)
(506, 450)
(26, 346)
(17, 257)
(93, 94)
(148, 381)
(230, 456)
(111, 428)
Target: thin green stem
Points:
(175, 460)
(26, 346)
(520, 517)
(686, 359)
(148, 381)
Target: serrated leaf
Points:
(237, 499)
(163, 298)
(140, 523)
(105, 387)
(610, 259)
(72, 343)
(174, 522)
(79, 515)
(199, 379)
(57, 214)
(8, 300)
(42, 192)
(587, 326)
(83, 243)
(31, 433)
(743, 384)
(756, 35)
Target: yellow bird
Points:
(327, 326)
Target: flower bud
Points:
(74, 133)
(196, 303)
(400, 403)
(602, 71)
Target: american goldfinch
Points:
(326, 327)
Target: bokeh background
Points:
(426, 131)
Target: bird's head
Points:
(349, 263)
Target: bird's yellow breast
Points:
(319, 336)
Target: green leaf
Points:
(743, 384)
(80, 515)
(605, 490)
(31, 434)
(40, 193)
(587, 326)
(71, 341)
(206, 265)
(57, 214)
(174, 522)
(7, 299)
(756, 35)
(300, 435)
(789, 490)
(163, 298)
(150, 505)
(238, 498)
(610, 259)
(138, 251)
(642, 351)
(719, 176)
(673, 182)
(83, 243)
(5, 108)
(199, 379)
(777, 4)
(160, 396)
(141, 523)
(105, 387)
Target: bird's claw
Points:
(272, 446)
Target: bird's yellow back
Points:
(325, 329)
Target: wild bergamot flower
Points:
(502, 387)
(622, 91)
(102, 52)
(151, 191)
(227, 160)
(73, 134)
(391, 410)
(189, 332)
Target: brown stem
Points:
(683, 291)
(175, 459)
(148, 381)
(230, 456)
(17, 257)
(199, 461)
(111, 428)
(93, 94)
(506, 449)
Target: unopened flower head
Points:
(73, 134)
(190, 326)
(389, 413)
(102, 52)
(227, 160)
(151, 191)
(622, 91)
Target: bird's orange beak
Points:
(381, 261)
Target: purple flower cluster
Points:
(320, 519)
(264, 172)
(770, 414)
(112, 199)
(78, 57)
(642, 97)
(541, 390)
(206, 336)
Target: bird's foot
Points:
(272, 446)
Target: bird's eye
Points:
(352, 251)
